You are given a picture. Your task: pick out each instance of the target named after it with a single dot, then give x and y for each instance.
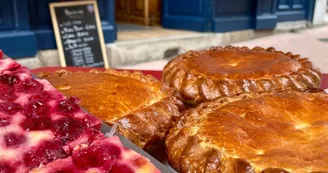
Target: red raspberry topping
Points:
(37, 109)
(7, 93)
(37, 123)
(69, 106)
(67, 129)
(6, 168)
(9, 79)
(10, 108)
(29, 86)
(46, 152)
(13, 140)
(4, 122)
(96, 156)
(42, 96)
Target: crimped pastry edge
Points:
(147, 136)
(181, 141)
(195, 89)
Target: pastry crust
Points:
(227, 71)
(268, 132)
(143, 108)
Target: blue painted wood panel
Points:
(232, 15)
(207, 15)
(193, 15)
(7, 17)
(266, 17)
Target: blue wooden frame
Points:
(27, 27)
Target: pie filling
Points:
(41, 130)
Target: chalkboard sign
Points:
(79, 35)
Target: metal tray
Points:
(164, 168)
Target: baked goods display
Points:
(270, 132)
(227, 71)
(143, 109)
(252, 110)
(42, 131)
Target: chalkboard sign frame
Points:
(54, 5)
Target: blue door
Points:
(208, 15)
(291, 10)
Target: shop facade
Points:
(26, 27)
(226, 15)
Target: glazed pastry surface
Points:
(279, 132)
(241, 64)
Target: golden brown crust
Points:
(226, 71)
(268, 132)
(143, 108)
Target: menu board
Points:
(79, 35)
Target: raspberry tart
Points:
(227, 71)
(101, 156)
(143, 108)
(268, 133)
(40, 127)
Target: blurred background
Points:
(145, 34)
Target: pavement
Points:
(311, 43)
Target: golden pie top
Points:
(281, 131)
(131, 99)
(107, 96)
(228, 71)
(241, 64)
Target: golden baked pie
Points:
(227, 71)
(143, 108)
(272, 132)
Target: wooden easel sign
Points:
(78, 33)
